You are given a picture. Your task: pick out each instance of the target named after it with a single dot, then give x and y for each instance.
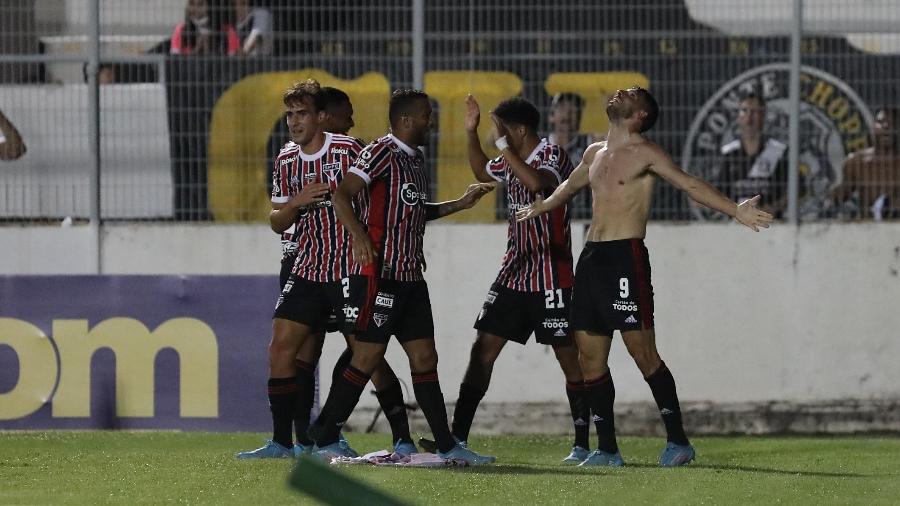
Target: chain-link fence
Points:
(188, 114)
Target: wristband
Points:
(501, 143)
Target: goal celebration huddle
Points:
(353, 215)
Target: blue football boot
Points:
(271, 450)
(602, 458)
(577, 456)
(674, 455)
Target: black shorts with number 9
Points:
(612, 288)
(515, 315)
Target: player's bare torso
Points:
(873, 175)
(622, 187)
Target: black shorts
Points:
(515, 315)
(394, 308)
(321, 306)
(287, 263)
(612, 288)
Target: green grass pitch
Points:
(199, 468)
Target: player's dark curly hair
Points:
(309, 91)
(519, 111)
(402, 102)
(334, 97)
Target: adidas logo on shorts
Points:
(560, 333)
(631, 319)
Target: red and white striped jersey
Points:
(539, 251)
(395, 214)
(320, 241)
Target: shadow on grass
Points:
(518, 469)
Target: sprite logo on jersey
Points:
(410, 194)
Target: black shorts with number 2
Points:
(612, 288)
(515, 315)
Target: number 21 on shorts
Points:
(554, 299)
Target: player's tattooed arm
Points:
(347, 190)
(535, 180)
(284, 215)
(477, 159)
(746, 212)
(564, 192)
(435, 210)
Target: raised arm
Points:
(565, 191)
(435, 210)
(535, 180)
(477, 159)
(704, 193)
(350, 186)
(13, 147)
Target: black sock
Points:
(601, 394)
(431, 400)
(306, 396)
(662, 384)
(464, 413)
(581, 413)
(342, 362)
(282, 403)
(342, 399)
(391, 401)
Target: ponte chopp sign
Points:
(834, 122)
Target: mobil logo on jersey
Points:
(834, 122)
(411, 195)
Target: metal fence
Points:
(119, 127)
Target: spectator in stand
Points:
(11, 145)
(204, 31)
(871, 184)
(565, 121)
(254, 28)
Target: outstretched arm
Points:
(704, 193)
(564, 192)
(350, 186)
(477, 159)
(435, 210)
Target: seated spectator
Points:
(254, 28)
(871, 183)
(11, 145)
(204, 31)
(754, 163)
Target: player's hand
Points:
(499, 126)
(312, 193)
(531, 211)
(363, 250)
(473, 114)
(474, 193)
(751, 216)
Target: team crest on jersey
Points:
(410, 194)
(331, 170)
(379, 318)
(834, 122)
